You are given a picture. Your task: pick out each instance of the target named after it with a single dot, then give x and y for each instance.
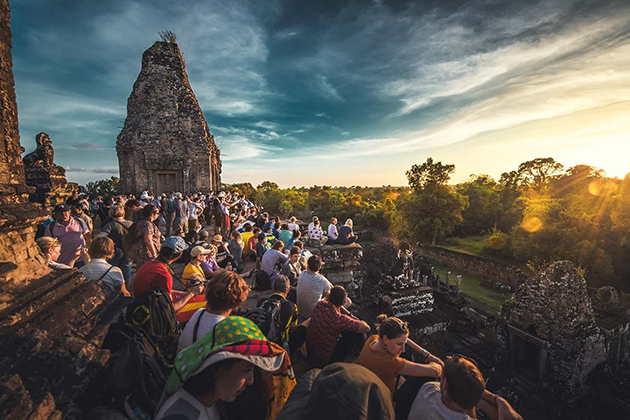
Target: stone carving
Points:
(44, 155)
(165, 144)
(553, 332)
(42, 173)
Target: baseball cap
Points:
(199, 250)
(61, 208)
(176, 243)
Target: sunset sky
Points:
(339, 92)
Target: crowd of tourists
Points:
(232, 363)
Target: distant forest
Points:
(536, 214)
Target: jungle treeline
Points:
(538, 213)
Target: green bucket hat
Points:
(232, 338)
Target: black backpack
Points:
(267, 318)
(153, 312)
(137, 371)
(262, 281)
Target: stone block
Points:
(340, 278)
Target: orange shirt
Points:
(384, 365)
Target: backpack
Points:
(136, 371)
(129, 238)
(267, 318)
(153, 313)
(262, 281)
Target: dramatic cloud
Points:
(298, 87)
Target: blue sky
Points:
(339, 92)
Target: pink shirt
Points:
(70, 236)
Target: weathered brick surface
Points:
(165, 130)
(555, 307)
(49, 355)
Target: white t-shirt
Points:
(332, 231)
(206, 324)
(293, 226)
(182, 405)
(428, 405)
(97, 267)
(310, 290)
(194, 210)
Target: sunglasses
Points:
(402, 325)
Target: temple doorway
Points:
(167, 181)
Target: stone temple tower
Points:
(165, 144)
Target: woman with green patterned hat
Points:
(232, 373)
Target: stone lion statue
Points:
(44, 155)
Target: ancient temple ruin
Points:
(165, 144)
(553, 334)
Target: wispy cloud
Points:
(322, 86)
(87, 146)
(359, 80)
(113, 171)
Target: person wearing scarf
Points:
(233, 372)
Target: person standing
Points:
(146, 234)
(180, 223)
(71, 232)
(116, 230)
(169, 213)
(78, 210)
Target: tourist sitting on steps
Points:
(113, 281)
(226, 292)
(235, 247)
(305, 253)
(340, 391)
(223, 256)
(220, 377)
(293, 226)
(382, 355)
(198, 255)
(316, 235)
(292, 269)
(346, 235)
(288, 319)
(311, 287)
(333, 234)
(285, 235)
(51, 249)
(460, 390)
(248, 232)
(261, 248)
(272, 259)
(157, 274)
(210, 266)
(332, 331)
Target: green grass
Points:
(475, 245)
(487, 299)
